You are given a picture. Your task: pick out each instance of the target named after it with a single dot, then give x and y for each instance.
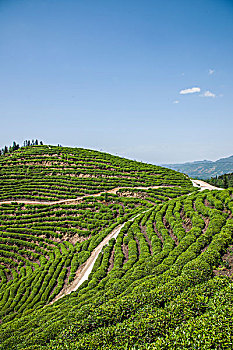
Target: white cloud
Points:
(211, 71)
(190, 91)
(176, 101)
(208, 94)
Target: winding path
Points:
(85, 269)
(73, 200)
(204, 185)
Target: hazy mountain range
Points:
(204, 169)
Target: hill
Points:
(57, 205)
(49, 173)
(204, 169)
(162, 279)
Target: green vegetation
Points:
(46, 245)
(223, 181)
(51, 173)
(15, 146)
(161, 284)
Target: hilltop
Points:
(204, 169)
(51, 173)
(158, 249)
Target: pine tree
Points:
(15, 146)
(225, 182)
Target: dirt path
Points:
(73, 200)
(85, 269)
(204, 185)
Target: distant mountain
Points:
(204, 169)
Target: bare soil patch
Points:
(143, 230)
(111, 261)
(138, 246)
(158, 233)
(125, 251)
(170, 231)
(186, 222)
(226, 270)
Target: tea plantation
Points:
(164, 282)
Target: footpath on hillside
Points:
(85, 269)
(73, 200)
(202, 185)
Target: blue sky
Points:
(151, 80)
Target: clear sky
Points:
(147, 79)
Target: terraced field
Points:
(163, 281)
(55, 173)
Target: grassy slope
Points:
(153, 287)
(41, 246)
(52, 173)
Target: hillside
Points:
(162, 279)
(223, 181)
(49, 173)
(204, 169)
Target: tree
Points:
(225, 182)
(15, 146)
(5, 150)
